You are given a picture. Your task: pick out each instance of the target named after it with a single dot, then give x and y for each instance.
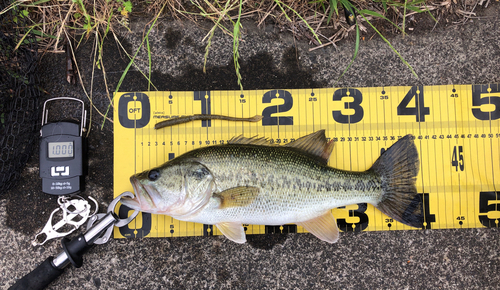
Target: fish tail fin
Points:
(398, 168)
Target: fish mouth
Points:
(143, 200)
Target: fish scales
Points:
(293, 185)
(251, 181)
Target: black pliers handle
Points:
(99, 230)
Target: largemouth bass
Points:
(250, 181)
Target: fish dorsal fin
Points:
(252, 140)
(314, 144)
(324, 227)
(238, 196)
(233, 231)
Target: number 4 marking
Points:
(419, 110)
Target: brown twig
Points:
(190, 118)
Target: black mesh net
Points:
(19, 95)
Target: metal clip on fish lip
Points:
(99, 230)
(119, 222)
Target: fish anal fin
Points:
(314, 144)
(238, 196)
(233, 231)
(324, 227)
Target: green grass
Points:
(236, 44)
(131, 62)
(331, 7)
(99, 17)
(363, 13)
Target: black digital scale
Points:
(61, 153)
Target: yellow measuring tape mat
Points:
(456, 129)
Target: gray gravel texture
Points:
(437, 259)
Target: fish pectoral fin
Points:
(238, 196)
(324, 227)
(314, 144)
(233, 231)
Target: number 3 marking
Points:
(356, 105)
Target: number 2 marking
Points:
(267, 112)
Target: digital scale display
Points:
(62, 152)
(60, 149)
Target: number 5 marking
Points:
(489, 203)
(483, 95)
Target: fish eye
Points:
(153, 175)
(200, 173)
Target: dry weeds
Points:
(52, 20)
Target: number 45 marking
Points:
(457, 159)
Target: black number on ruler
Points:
(457, 159)
(131, 230)
(484, 95)
(281, 120)
(206, 107)
(356, 105)
(428, 217)
(421, 200)
(358, 226)
(208, 230)
(284, 229)
(489, 202)
(419, 110)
